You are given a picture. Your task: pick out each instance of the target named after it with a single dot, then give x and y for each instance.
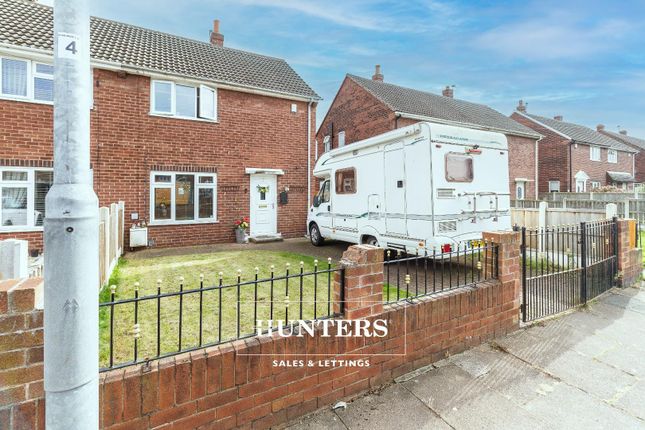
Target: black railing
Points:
(565, 266)
(429, 272)
(142, 328)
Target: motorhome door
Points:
(394, 163)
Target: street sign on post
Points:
(71, 234)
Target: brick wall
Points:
(126, 142)
(226, 386)
(597, 170)
(361, 115)
(630, 262)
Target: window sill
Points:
(25, 100)
(189, 222)
(160, 115)
(20, 229)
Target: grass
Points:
(170, 270)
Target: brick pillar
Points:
(22, 403)
(363, 282)
(629, 257)
(508, 261)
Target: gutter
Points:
(537, 162)
(47, 56)
(466, 124)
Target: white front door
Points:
(263, 204)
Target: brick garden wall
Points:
(127, 143)
(629, 257)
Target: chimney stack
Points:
(623, 132)
(448, 91)
(600, 127)
(217, 38)
(377, 76)
(558, 117)
(521, 107)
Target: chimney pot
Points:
(623, 132)
(600, 127)
(377, 76)
(448, 91)
(216, 37)
(521, 107)
(558, 117)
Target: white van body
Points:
(423, 186)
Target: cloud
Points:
(553, 37)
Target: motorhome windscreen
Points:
(459, 167)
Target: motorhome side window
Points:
(346, 181)
(459, 167)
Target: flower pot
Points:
(241, 236)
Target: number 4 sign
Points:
(68, 45)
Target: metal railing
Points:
(433, 271)
(142, 328)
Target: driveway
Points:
(583, 370)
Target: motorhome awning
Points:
(620, 177)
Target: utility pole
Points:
(71, 234)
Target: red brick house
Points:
(635, 143)
(575, 158)
(364, 108)
(184, 132)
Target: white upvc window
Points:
(594, 153)
(612, 156)
(183, 198)
(595, 184)
(181, 100)
(22, 197)
(554, 186)
(341, 139)
(23, 79)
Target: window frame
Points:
(197, 185)
(198, 90)
(341, 139)
(554, 182)
(472, 167)
(30, 184)
(591, 153)
(336, 182)
(613, 159)
(595, 184)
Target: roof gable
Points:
(30, 25)
(421, 103)
(578, 133)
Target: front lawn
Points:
(170, 270)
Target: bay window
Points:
(22, 194)
(183, 100)
(179, 197)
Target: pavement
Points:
(582, 370)
(300, 245)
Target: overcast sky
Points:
(584, 60)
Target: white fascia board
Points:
(467, 125)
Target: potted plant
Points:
(241, 225)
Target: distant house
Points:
(576, 158)
(191, 135)
(364, 108)
(635, 143)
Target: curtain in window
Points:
(44, 181)
(14, 206)
(14, 77)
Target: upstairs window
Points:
(341, 139)
(459, 167)
(25, 79)
(594, 153)
(183, 100)
(612, 156)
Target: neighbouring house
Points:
(364, 108)
(635, 143)
(575, 158)
(190, 135)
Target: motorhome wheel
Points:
(315, 236)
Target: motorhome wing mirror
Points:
(316, 201)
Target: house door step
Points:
(264, 238)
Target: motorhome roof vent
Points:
(445, 193)
(447, 226)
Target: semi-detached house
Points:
(190, 135)
(635, 143)
(366, 107)
(575, 158)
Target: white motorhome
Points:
(423, 186)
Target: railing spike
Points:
(113, 289)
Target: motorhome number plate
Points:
(476, 243)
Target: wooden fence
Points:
(111, 230)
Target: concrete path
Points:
(583, 370)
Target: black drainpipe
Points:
(396, 120)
